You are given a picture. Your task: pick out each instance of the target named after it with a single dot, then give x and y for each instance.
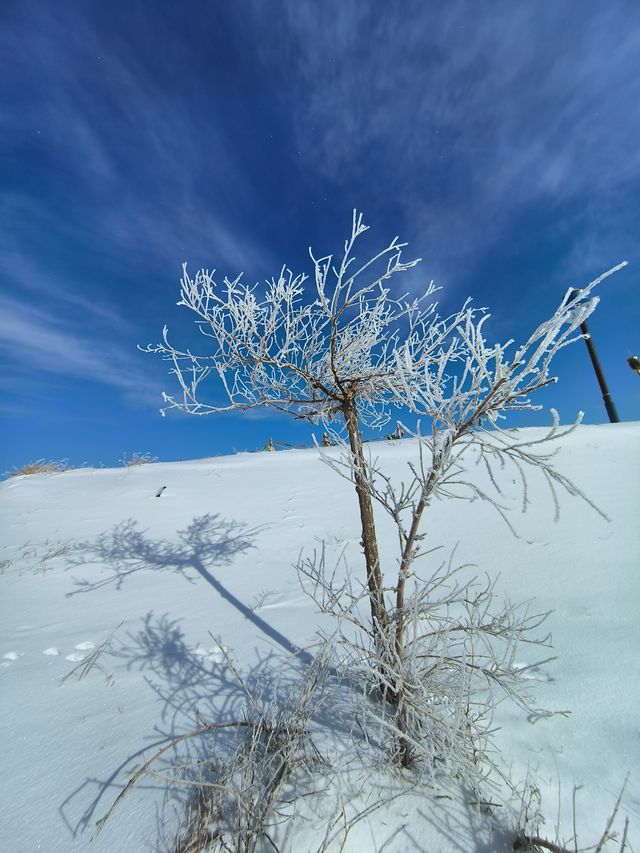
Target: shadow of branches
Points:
(185, 682)
(190, 687)
(208, 541)
(193, 685)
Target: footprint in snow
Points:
(51, 651)
(83, 648)
(11, 656)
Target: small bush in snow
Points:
(40, 466)
(245, 770)
(345, 352)
(138, 459)
(457, 662)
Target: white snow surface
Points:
(86, 552)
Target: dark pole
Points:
(595, 361)
(606, 396)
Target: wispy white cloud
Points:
(454, 116)
(478, 111)
(22, 275)
(457, 116)
(134, 149)
(38, 344)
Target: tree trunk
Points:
(369, 537)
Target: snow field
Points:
(206, 570)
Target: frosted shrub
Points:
(344, 350)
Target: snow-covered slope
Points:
(89, 551)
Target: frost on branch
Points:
(303, 346)
(307, 346)
(345, 347)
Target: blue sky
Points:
(501, 139)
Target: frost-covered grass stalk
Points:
(344, 350)
(242, 773)
(528, 836)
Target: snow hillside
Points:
(93, 555)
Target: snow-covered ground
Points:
(87, 552)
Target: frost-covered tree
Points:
(348, 348)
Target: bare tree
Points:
(346, 349)
(321, 356)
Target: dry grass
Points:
(247, 772)
(36, 557)
(40, 466)
(138, 459)
(528, 839)
(90, 660)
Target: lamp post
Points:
(595, 361)
(634, 363)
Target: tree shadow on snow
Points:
(192, 683)
(208, 540)
(187, 681)
(184, 679)
(191, 686)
